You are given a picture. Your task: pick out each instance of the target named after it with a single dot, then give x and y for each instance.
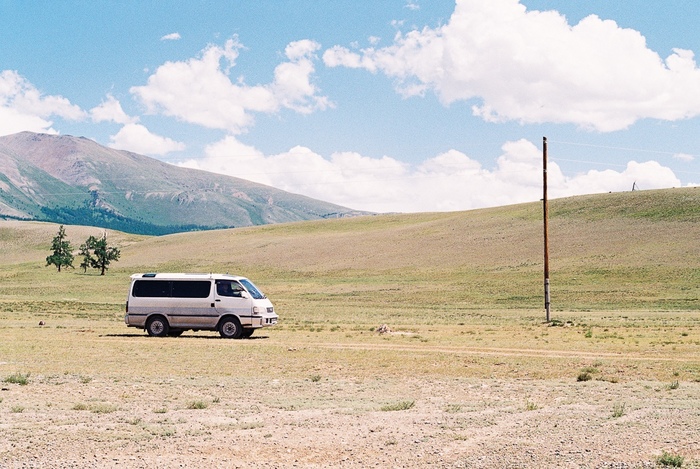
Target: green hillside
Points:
(626, 251)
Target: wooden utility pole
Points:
(546, 226)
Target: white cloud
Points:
(684, 157)
(200, 90)
(138, 139)
(449, 181)
(111, 111)
(171, 37)
(534, 67)
(23, 107)
(411, 5)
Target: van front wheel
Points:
(157, 326)
(230, 328)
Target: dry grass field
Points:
(469, 375)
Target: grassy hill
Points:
(624, 251)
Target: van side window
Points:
(191, 289)
(174, 289)
(228, 288)
(151, 288)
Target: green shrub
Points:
(671, 460)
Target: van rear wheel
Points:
(230, 328)
(157, 326)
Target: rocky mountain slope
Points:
(74, 180)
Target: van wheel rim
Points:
(229, 328)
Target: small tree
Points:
(62, 251)
(97, 254)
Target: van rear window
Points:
(168, 288)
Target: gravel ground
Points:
(71, 421)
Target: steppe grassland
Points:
(461, 292)
(470, 375)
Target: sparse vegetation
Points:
(18, 378)
(402, 405)
(618, 410)
(670, 459)
(197, 405)
(102, 408)
(453, 408)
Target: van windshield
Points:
(252, 289)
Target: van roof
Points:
(183, 276)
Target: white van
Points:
(168, 304)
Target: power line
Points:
(636, 150)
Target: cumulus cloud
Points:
(171, 37)
(535, 67)
(449, 181)
(23, 107)
(138, 139)
(201, 91)
(111, 111)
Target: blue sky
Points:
(390, 105)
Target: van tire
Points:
(157, 326)
(230, 328)
(247, 332)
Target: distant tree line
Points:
(89, 216)
(97, 254)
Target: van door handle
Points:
(217, 300)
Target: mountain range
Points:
(76, 181)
